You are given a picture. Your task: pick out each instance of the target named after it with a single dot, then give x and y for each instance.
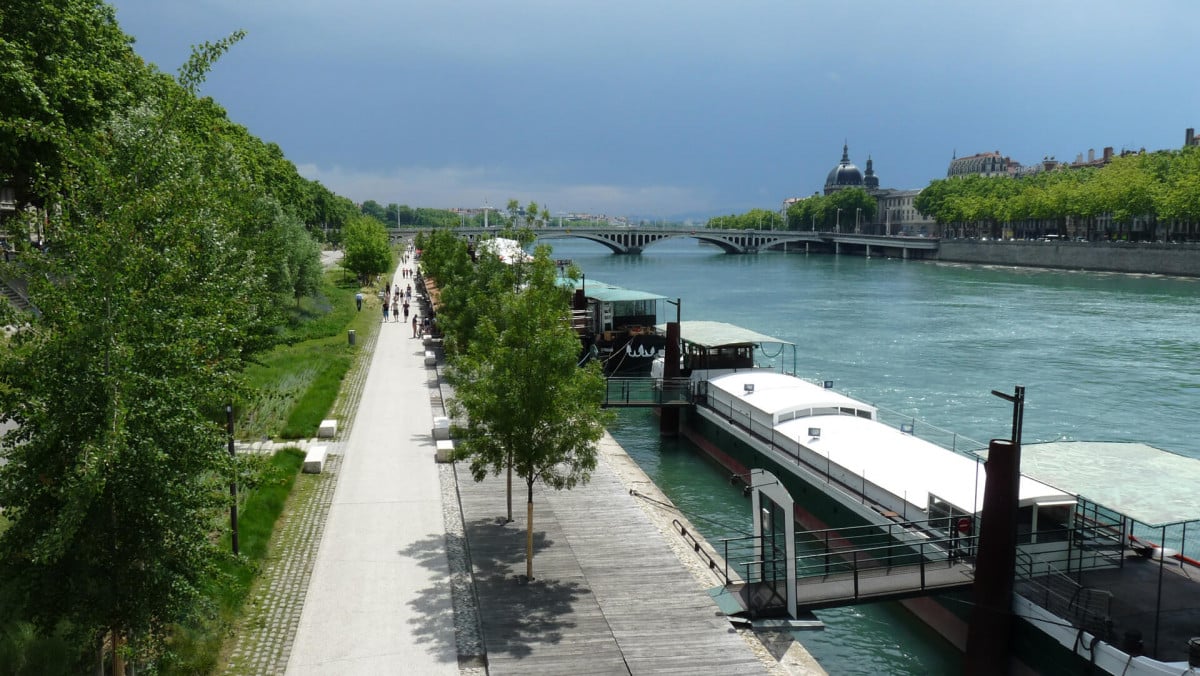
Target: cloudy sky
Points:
(664, 108)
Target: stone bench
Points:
(327, 430)
(445, 451)
(430, 358)
(441, 428)
(314, 459)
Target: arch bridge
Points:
(632, 241)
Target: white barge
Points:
(1103, 529)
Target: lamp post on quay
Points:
(837, 226)
(857, 225)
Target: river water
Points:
(1103, 357)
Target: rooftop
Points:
(714, 334)
(1153, 486)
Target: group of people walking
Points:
(396, 300)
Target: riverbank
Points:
(1182, 260)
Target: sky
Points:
(665, 109)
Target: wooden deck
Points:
(609, 595)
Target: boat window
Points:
(864, 414)
(847, 411)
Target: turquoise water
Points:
(1102, 356)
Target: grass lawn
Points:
(296, 384)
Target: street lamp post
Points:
(814, 226)
(837, 225)
(233, 518)
(857, 225)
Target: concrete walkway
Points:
(379, 601)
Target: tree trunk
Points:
(508, 494)
(529, 532)
(118, 658)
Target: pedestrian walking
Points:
(405, 310)
(414, 323)
(396, 308)
(358, 300)
(386, 307)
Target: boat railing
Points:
(929, 432)
(855, 484)
(1044, 584)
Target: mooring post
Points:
(990, 628)
(668, 419)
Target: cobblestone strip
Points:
(468, 631)
(468, 636)
(263, 637)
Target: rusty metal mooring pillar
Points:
(990, 628)
(668, 419)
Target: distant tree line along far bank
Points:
(1135, 197)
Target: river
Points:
(1104, 357)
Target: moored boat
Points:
(616, 325)
(1103, 566)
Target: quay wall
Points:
(1131, 257)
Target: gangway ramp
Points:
(647, 392)
(850, 566)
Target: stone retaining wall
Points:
(1165, 259)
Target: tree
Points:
(528, 406)
(64, 66)
(299, 260)
(375, 210)
(367, 252)
(150, 304)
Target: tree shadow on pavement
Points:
(432, 607)
(517, 614)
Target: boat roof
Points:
(1152, 486)
(775, 393)
(905, 465)
(607, 293)
(708, 334)
(508, 250)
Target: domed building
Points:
(845, 174)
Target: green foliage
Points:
(1150, 190)
(755, 219)
(299, 374)
(194, 647)
(838, 211)
(318, 398)
(366, 247)
(529, 408)
(64, 66)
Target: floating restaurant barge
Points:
(1102, 528)
(616, 325)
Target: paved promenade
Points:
(400, 565)
(379, 601)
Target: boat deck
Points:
(1135, 590)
